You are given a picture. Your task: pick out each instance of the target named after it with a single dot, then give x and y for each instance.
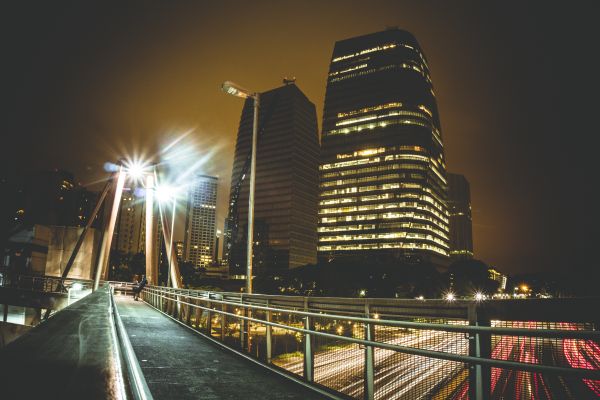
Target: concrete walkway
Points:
(180, 364)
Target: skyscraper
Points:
(461, 225)
(382, 171)
(129, 232)
(285, 207)
(200, 222)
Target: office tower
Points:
(285, 209)
(200, 222)
(461, 226)
(382, 171)
(179, 251)
(129, 233)
(217, 241)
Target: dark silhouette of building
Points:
(382, 172)
(50, 197)
(461, 225)
(286, 184)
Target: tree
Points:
(470, 276)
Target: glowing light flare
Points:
(136, 169)
(166, 193)
(449, 296)
(479, 296)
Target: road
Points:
(404, 376)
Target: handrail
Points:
(137, 383)
(580, 372)
(547, 333)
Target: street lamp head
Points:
(165, 193)
(235, 90)
(136, 169)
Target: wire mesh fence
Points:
(370, 351)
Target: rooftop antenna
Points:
(289, 81)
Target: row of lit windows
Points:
(372, 117)
(387, 235)
(384, 216)
(358, 128)
(362, 73)
(347, 200)
(369, 109)
(369, 152)
(439, 175)
(380, 48)
(385, 225)
(380, 167)
(369, 178)
(370, 188)
(365, 51)
(361, 66)
(416, 67)
(381, 206)
(383, 124)
(386, 67)
(378, 246)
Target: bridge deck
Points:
(180, 364)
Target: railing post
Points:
(189, 308)
(369, 387)
(268, 336)
(308, 353)
(223, 321)
(209, 318)
(480, 345)
(198, 314)
(242, 323)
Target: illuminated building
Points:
(494, 275)
(382, 172)
(179, 251)
(285, 212)
(200, 221)
(461, 225)
(129, 232)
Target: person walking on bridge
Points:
(140, 287)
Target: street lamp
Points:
(238, 91)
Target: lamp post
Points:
(236, 90)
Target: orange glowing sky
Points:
(87, 84)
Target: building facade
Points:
(382, 171)
(130, 229)
(200, 223)
(461, 224)
(285, 214)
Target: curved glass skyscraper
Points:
(382, 171)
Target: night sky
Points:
(86, 84)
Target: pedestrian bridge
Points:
(180, 344)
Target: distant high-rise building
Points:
(129, 232)
(217, 240)
(179, 251)
(49, 197)
(285, 218)
(200, 223)
(382, 172)
(461, 225)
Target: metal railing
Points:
(137, 385)
(386, 348)
(46, 284)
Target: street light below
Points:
(238, 91)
